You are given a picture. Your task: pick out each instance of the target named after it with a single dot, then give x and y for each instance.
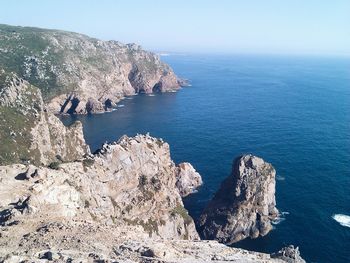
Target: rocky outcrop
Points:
(289, 254)
(79, 74)
(129, 182)
(58, 202)
(244, 205)
(120, 204)
(187, 179)
(30, 134)
(87, 242)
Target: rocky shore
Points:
(77, 74)
(122, 204)
(60, 203)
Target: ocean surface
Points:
(294, 112)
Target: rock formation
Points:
(187, 179)
(59, 202)
(289, 254)
(130, 182)
(88, 242)
(79, 74)
(28, 133)
(244, 205)
(120, 204)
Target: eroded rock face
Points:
(28, 133)
(244, 206)
(187, 179)
(130, 182)
(78, 74)
(121, 204)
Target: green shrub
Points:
(54, 165)
(180, 210)
(88, 162)
(142, 181)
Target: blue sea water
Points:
(292, 111)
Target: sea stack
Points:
(245, 205)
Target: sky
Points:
(224, 26)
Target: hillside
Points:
(80, 74)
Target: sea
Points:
(293, 111)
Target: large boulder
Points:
(245, 204)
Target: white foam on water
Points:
(120, 105)
(151, 95)
(280, 178)
(343, 220)
(280, 218)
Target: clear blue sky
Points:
(253, 26)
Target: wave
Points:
(280, 178)
(151, 95)
(343, 220)
(120, 105)
(280, 218)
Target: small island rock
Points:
(245, 204)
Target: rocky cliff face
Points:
(59, 202)
(79, 74)
(244, 205)
(30, 134)
(121, 204)
(187, 179)
(130, 182)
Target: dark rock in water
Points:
(289, 254)
(183, 82)
(245, 204)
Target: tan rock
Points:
(131, 182)
(187, 179)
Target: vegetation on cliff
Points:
(80, 74)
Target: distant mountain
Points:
(77, 73)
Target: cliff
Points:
(245, 204)
(120, 204)
(79, 74)
(30, 134)
(59, 202)
(129, 182)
